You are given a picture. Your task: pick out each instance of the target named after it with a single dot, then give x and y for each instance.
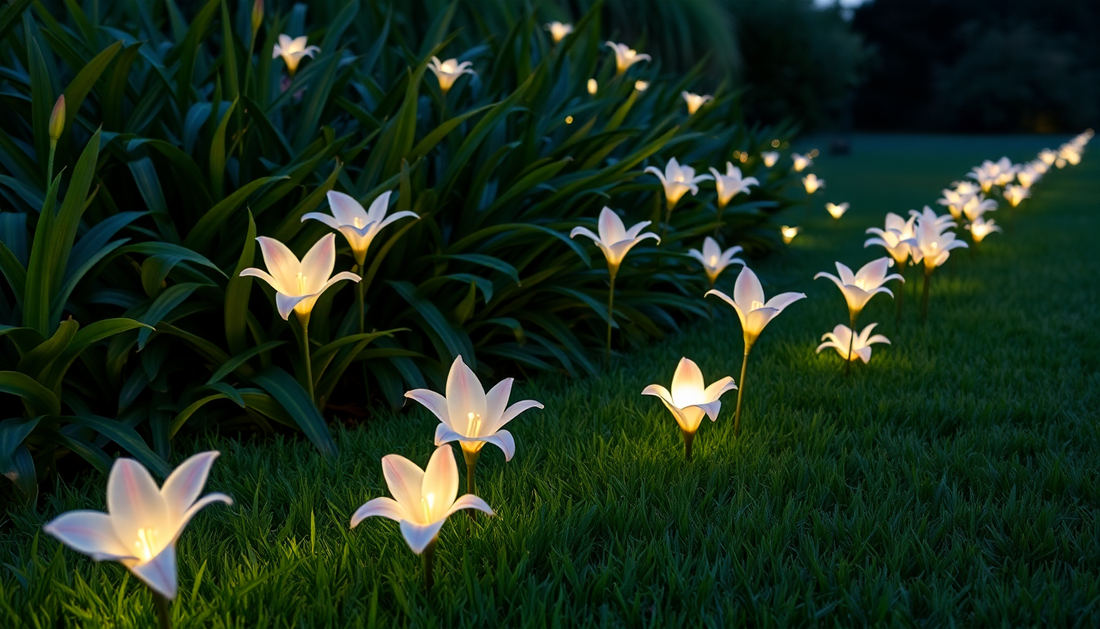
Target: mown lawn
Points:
(952, 480)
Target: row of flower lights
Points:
(144, 522)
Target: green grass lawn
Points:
(951, 480)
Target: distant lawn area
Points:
(953, 480)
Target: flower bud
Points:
(257, 14)
(57, 119)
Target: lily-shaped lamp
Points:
(897, 240)
(954, 200)
(933, 242)
(714, 260)
(615, 240)
(677, 180)
(695, 101)
(755, 313)
(771, 158)
(851, 346)
(625, 56)
(142, 522)
(422, 501)
(837, 210)
(801, 162)
(298, 284)
(471, 416)
(981, 228)
(976, 206)
(1015, 195)
(690, 399)
(558, 31)
(788, 233)
(812, 183)
(359, 227)
(1048, 156)
(859, 288)
(293, 51)
(731, 184)
(448, 72)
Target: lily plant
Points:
(359, 227)
(851, 346)
(981, 228)
(714, 260)
(471, 416)
(1015, 194)
(860, 287)
(897, 240)
(625, 56)
(677, 181)
(447, 72)
(976, 206)
(812, 183)
(836, 210)
(558, 31)
(298, 284)
(730, 185)
(142, 523)
(293, 50)
(691, 399)
(932, 243)
(755, 313)
(422, 501)
(801, 162)
(695, 101)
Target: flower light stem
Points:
(689, 440)
(740, 393)
(303, 319)
(360, 297)
(428, 556)
(718, 227)
(164, 617)
(851, 341)
(668, 220)
(471, 465)
(901, 292)
(610, 312)
(924, 297)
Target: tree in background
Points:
(980, 65)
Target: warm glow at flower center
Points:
(146, 544)
(301, 284)
(473, 424)
(427, 502)
(447, 67)
(714, 260)
(358, 223)
(861, 284)
(756, 305)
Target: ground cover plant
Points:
(950, 480)
(188, 131)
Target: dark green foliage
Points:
(952, 481)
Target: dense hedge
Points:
(125, 318)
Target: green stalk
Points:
(471, 464)
(428, 555)
(668, 219)
(740, 393)
(360, 296)
(901, 293)
(610, 312)
(164, 617)
(719, 225)
(689, 439)
(851, 342)
(924, 299)
(49, 164)
(304, 320)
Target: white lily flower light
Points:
(471, 416)
(1048, 156)
(859, 288)
(142, 523)
(954, 200)
(976, 206)
(851, 346)
(812, 183)
(592, 86)
(293, 51)
(558, 31)
(625, 56)
(448, 72)
(754, 312)
(1015, 194)
(714, 260)
(801, 162)
(981, 228)
(895, 239)
(358, 225)
(422, 501)
(298, 284)
(731, 184)
(933, 243)
(641, 85)
(677, 180)
(695, 101)
(771, 158)
(788, 233)
(1028, 176)
(615, 240)
(691, 399)
(835, 210)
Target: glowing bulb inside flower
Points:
(836, 211)
(788, 234)
(641, 86)
(714, 260)
(147, 543)
(569, 120)
(756, 305)
(447, 66)
(592, 86)
(427, 502)
(473, 424)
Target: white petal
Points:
(503, 440)
(404, 479)
(159, 573)
(134, 501)
(280, 262)
(496, 401)
(440, 480)
(318, 263)
(470, 501)
(514, 410)
(465, 397)
(747, 289)
(718, 387)
(203, 502)
(185, 483)
(419, 536)
(379, 207)
(611, 227)
(658, 391)
(431, 400)
(782, 300)
(687, 383)
(382, 506)
(263, 275)
(89, 532)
